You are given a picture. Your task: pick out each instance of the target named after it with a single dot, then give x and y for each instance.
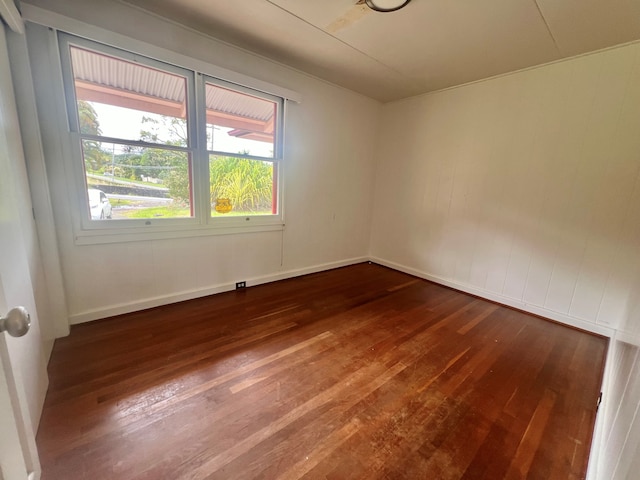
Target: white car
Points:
(99, 204)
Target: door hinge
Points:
(599, 401)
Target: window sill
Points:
(97, 237)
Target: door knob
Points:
(16, 323)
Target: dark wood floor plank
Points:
(361, 372)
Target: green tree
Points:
(165, 130)
(161, 162)
(248, 184)
(177, 181)
(88, 117)
(94, 157)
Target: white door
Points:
(22, 362)
(13, 461)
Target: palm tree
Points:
(94, 157)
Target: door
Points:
(23, 377)
(13, 461)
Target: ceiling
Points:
(427, 46)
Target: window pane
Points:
(137, 182)
(240, 186)
(120, 99)
(240, 123)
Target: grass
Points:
(234, 213)
(159, 212)
(119, 202)
(108, 180)
(176, 212)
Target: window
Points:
(163, 146)
(238, 122)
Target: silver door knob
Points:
(16, 323)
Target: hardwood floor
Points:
(356, 373)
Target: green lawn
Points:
(159, 212)
(233, 213)
(119, 202)
(108, 180)
(178, 212)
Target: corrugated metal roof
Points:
(236, 103)
(103, 70)
(111, 72)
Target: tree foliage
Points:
(94, 157)
(248, 184)
(165, 130)
(88, 119)
(137, 163)
(177, 181)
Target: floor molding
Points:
(151, 302)
(503, 300)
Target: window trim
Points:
(275, 160)
(202, 223)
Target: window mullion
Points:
(200, 155)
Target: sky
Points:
(126, 123)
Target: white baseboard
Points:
(119, 309)
(632, 338)
(504, 300)
(142, 304)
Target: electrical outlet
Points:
(241, 285)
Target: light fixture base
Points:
(386, 6)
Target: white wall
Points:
(619, 452)
(616, 452)
(525, 189)
(328, 179)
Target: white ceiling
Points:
(429, 45)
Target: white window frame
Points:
(202, 223)
(276, 159)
